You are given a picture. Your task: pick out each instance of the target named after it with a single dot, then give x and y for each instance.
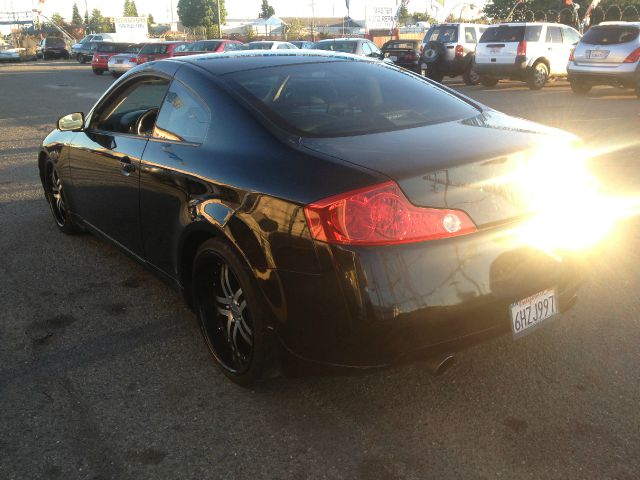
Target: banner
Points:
(379, 17)
(131, 29)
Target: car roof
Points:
(228, 62)
(621, 24)
(528, 24)
(343, 39)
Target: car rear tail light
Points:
(381, 215)
(459, 50)
(571, 58)
(633, 56)
(522, 49)
(133, 59)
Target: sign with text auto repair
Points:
(131, 29)
(380, 16)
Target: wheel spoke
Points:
(245, 331)
(223, 300)
(224, 281)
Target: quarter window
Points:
(570, 36)
(470, 35)
(183, 116)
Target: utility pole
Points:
(219, 27)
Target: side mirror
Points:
(71, 122)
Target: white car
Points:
(530, 52)
(271, 45)
(122, 63)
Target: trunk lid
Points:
(606, 45)
(454, 164)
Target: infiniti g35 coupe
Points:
(333, 207)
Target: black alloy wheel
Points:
(231, 313)
(57, 201)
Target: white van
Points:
(530, 52)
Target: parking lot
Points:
(103, 373)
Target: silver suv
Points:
(608, 54)
(531, 52)
(448, 49)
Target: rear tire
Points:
(538, 76)
(231, 312)
(435, 75)
(488, 82)
(580, 88)
(470, 76)
(97, 71)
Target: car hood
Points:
(449, 165)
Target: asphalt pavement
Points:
(103, 374)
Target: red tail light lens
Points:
(571, 58)
(522, 49)
(381, 215)
(633, 56)
(459, 50)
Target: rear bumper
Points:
(372, 307)
(501, 70)
(448, 66)
(120, 67)
(627, 75)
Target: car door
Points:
(105, 160)
(558, 54)
(176, 145)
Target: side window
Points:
(180, 48)
(374, 48)
(554, 35)
(183, 116)
(366, 49)
(469, 35)
(283, 47)
(229, 47)
(570, 36)
(97, 38)
(120, 112)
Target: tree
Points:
(422, 17)
(130, 9)
(266, 10)
(150, 21)
(404, 17)
(499, 9)
(295, 29)
(76, 19)
(249, 33)
(202, 13)
(99, 24)
(57, 19)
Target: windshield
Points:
(154, 48)
(55, 42)
(260, 45)
(442, 34)
(610, 35)
(401, 45)
(344, 46)
(342, 98)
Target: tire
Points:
(54, 193)
(580, 88)
(488, 82)
(470, 76)
(435, 75)
(231, 313)
(98, 71)
(115, 75)
(537, 76)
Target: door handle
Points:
(127, 166)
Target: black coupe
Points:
(334, 207)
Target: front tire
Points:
(488, 82)
(470, 76)
(435, 75)
(97, 71)
(231, 312)
(538, 76)
(54, 193)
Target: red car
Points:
(209, 46)
(105, 50)
(156, 51)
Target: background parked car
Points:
(85, 52)
(448, 50)
(209, 46)
(82, 46)
(269, 45)
(123, 62)
(608, 54)
(106, 50)
(404, 53)
(155, 51)
(530, 52)
(305, 44)
(52, 47)
(356, 46)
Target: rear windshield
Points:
(509, 33)
(610, 35)
(154, 48)
(344, 47)
(260, 45)
(339, 98)
(118, 48)
(442, 34)
(55, 42)
(405, 45)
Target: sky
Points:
(161, 9)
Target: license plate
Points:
(493, 51)
(530, 312)
(393, 58)
(597, 53)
